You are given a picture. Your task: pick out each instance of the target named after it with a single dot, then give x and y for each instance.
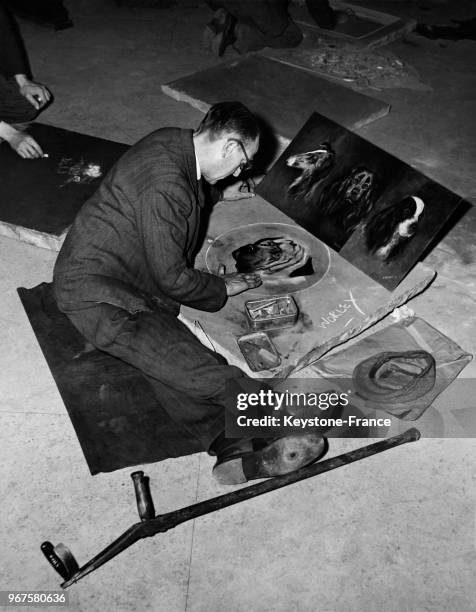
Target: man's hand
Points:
(26, 146)
(36, 93)
(238, 282)
(23, 144)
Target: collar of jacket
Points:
(191, 165)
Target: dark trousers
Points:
(192, 383)
(322, 13)
(261, 23)
(14, 108)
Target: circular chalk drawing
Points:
(220, 253)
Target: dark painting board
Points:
(375, 210)
(283, 95)
(40, 198)
(112, 406)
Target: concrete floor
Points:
(395, 532)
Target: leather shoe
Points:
(238, 462)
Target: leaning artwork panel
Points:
(378, 212)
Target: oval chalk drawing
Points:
(220, 251)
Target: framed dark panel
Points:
(375, 210)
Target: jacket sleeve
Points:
(166, 229)
(13, 58)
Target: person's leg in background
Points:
(250, 25)
(324, 15)
(265, 24)
(219, 32)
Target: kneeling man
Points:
(126, 267)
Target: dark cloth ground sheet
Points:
(111, 405)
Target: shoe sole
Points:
(280, 457)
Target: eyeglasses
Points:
(245, 165)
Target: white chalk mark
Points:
(93, 170)
(341, 309)
(354, 303)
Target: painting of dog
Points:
(387, 232)
(349, 199)
(313, 166)
(375, 210)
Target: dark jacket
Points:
(135, 237)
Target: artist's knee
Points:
(111, 322)
(99, 324)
